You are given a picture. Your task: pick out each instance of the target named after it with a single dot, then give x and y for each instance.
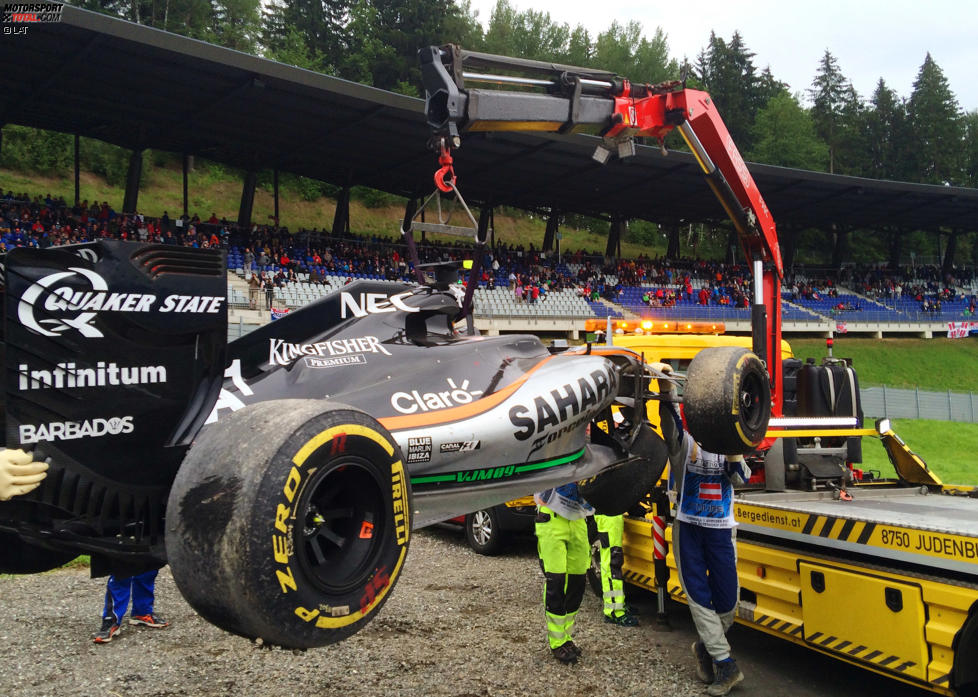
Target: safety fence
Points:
(897, 403)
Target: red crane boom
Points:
(569, 100)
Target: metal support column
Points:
(789, 245)
(131, 199)
(947, 265)
(492, 228)
(247, 200)
(186, 166)
(895, 247)
(672, 234)
(341, 219)
(840, 249)
(77, 173)
(553, 222)
(275, 194)
(614, 236)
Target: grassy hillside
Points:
(211, 190)
(930, 364)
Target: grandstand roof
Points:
(140, 87)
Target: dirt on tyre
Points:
(289, 522)
(727, 400)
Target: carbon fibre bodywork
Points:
(479, 420)
(115, 354)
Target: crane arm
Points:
(571, 100)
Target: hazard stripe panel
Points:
(639, 579)
(863, 653)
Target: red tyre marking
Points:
(338, 444)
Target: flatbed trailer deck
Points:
(907, 525)
(887, 581)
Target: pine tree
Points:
(290, 48)
(404, 26)
(193, 18)
(936, 126)
(885, 130)
(322, 24)
(236, 24)
(623, 49)
(768, 87)
(835, 109)
(529, 34)
(580, 51)
(727, 72)
(652, 61)
(851, 156)
(970, 151)
(784, 135)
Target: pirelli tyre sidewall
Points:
(727, 400)
(314, 533)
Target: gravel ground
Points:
(456, 625)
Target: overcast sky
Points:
(869, 38)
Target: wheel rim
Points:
(481, 527)
(341, 525)
(752, 401)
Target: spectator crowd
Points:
(274, 257)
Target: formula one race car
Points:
(281, 475)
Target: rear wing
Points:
(114, 354)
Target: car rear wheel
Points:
(289, 522)
(482, 532)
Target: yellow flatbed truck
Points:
(887, 580)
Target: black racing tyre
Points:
(20, 557)
(483, 533)
(617, 489)
(289, 521)
(727, 400)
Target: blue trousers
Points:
(707, 561)
(140, 588)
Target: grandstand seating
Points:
(35, 222)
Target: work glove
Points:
(19, 474)
(737, 470)
(665, 386)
